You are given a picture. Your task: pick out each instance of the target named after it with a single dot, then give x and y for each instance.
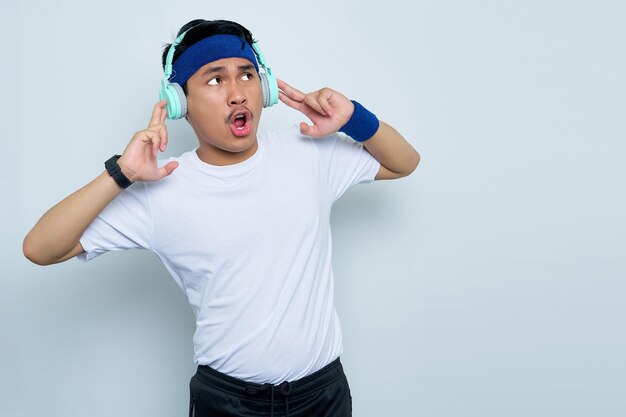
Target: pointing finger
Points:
(163, 114)
(155, 119)
(290, 91)
(288, 101)
(301, 107)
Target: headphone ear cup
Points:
(269, 85)
(182, 99)
(176, 101)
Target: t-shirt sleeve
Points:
(345, 162)
(125, 223)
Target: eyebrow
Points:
(212, 70)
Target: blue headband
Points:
(208, 50)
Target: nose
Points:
(236, 96)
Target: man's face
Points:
(216, 94)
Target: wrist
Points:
(362, 125)
(129, 173)
(115, 171)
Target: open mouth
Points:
(240, 123)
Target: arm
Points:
(55, 237)
(396, 156)
(330, 110)
(57, 233)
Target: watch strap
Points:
(116, 172)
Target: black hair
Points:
(203, 29)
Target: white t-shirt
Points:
(250, 245)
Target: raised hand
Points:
(138, 162)
(326, 108)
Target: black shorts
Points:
(324, 393)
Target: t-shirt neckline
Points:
(232, 169)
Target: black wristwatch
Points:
(116, 172)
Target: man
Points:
(242, 223)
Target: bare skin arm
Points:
(396, 156)
(56, 234)
(55, 237)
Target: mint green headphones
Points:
(175, 96)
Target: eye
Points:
(247, 76)
(214, 81)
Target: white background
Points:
(488, 283)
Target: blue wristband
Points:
(362, 125)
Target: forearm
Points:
(60, 228)
(392, 150)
